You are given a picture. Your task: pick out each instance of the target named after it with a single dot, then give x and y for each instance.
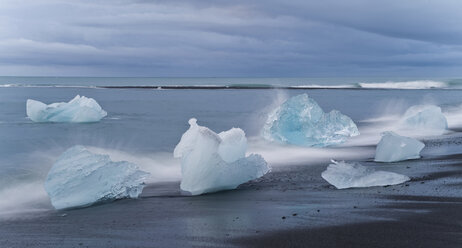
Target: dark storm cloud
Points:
(230, 38)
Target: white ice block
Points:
(80, 178)
(212, 162)
(79, 109)
(425, 119)
(393, 148)
(353, 175)
(301, 121)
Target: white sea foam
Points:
(319, 86)
(454, 116)
(281, 155)
(418, 84)
(21, 198)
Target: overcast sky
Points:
(231, 38)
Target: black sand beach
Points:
(290, 207)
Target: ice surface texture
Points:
(300, 121)
(393, 148)
(345, 175)
(79, 109)
(212, 162)
(80, 178)
(425, 118)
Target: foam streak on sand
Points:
(21, 198)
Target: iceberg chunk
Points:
(212, 162)
(393, 148)
(300, 121)
(80, 178)
(79, 109)
(425, 118)
(345, 175)
(233, 145)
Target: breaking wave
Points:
(418, 84)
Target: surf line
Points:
(225, 87)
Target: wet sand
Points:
(290, 207)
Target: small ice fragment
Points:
(346, 175)
(425, 118)
(80, 178)
(212, 162)
(79, 109)
(393, 148)
(301, 121)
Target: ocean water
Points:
(348, 82)
(144, 124)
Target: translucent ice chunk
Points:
(345, 175)
(80, 178)
(233, 145)
(393, 147)
(300, 121)
(212, 162)
(425, 118)
(79, 109)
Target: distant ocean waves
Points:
(419, 84)
(414, 85)
(411, 85)
(46, 86)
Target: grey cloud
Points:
(230, 38)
